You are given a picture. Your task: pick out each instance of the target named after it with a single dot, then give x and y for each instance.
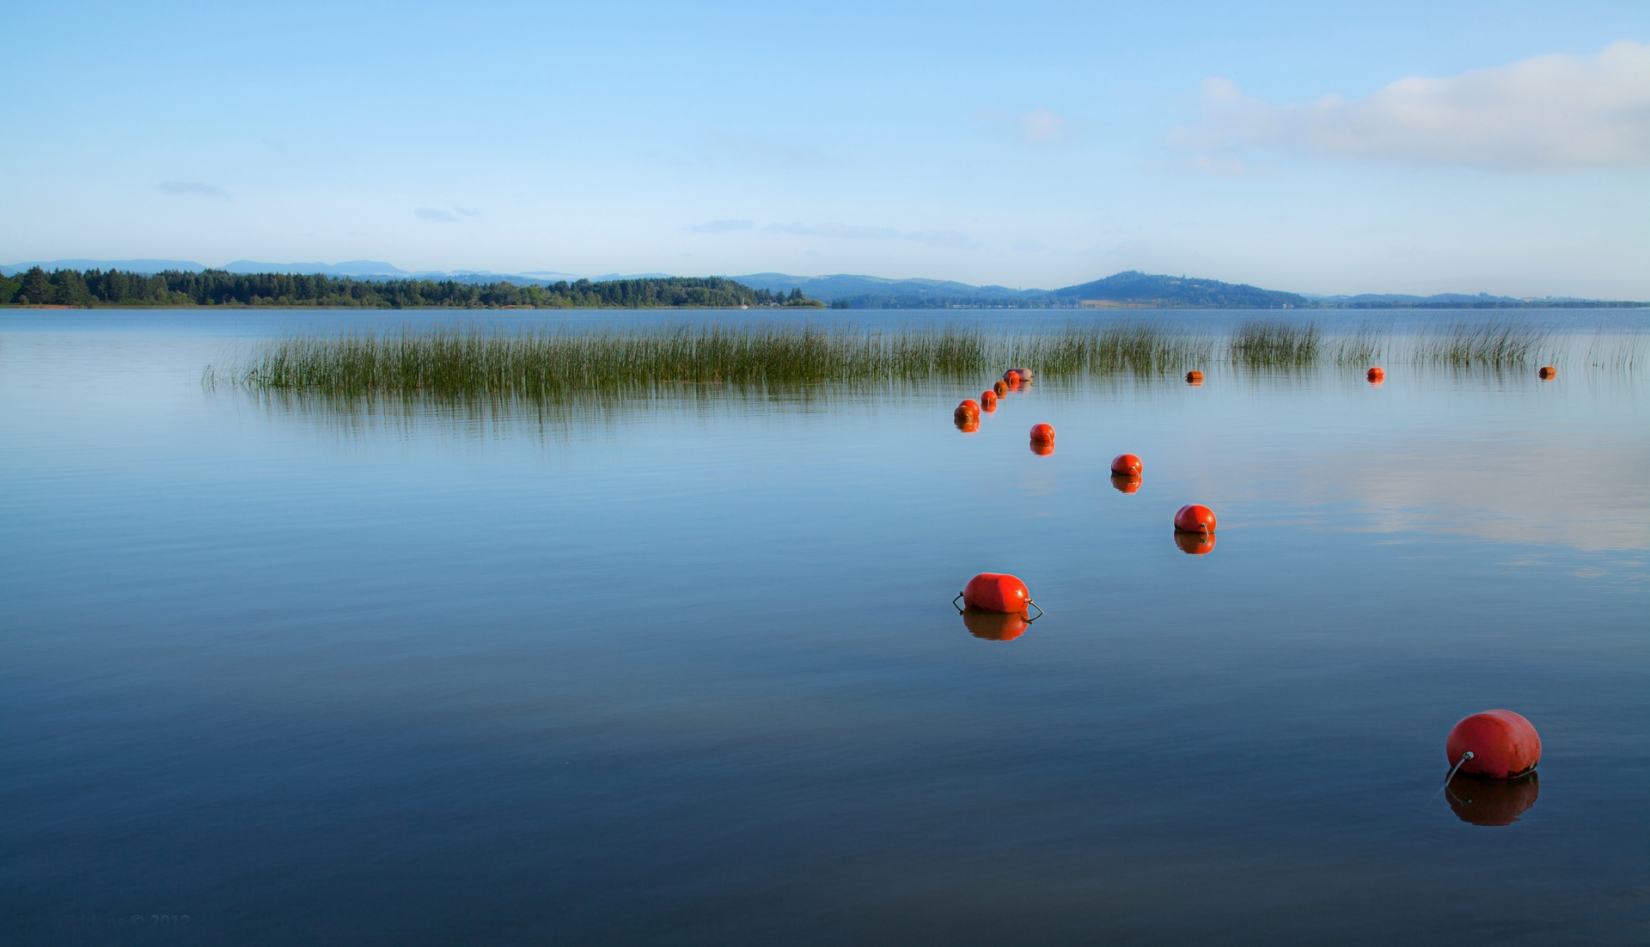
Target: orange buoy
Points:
(1126, 465)
(968, 409)
(1194, 378)
(1195, 544)
(1496, 743)
(1012, 377)
(1376, 374)
(967, 423)
(996, 592)
(1492, 801)
(1042, 432)
(1548, 372)
(988, 400)
(1000, 388)
(1124, 484)
(1024, 373)
(994, 626)
(1194, 518)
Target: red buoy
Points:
(1502, 745)
(988, 400)
(1482, 801)
(994, 626)
(996, 592)
(1000, 388)
(1012, 377)
(1376, 374)
(1194, 518)
(1195, 544)
(1548, 373)
(1194, 378)
(968, 409)
(1042, 432)
(1023, 373)
(1126, 465)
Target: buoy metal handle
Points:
(1040, 612)
(954, 603)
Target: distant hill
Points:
(146, 267)
(347, 268)
(875, 292)
(1134, 289)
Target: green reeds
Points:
(1276, 345)
(1490, 344)
(475, 361)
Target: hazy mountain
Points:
(347, 268)
(145, 267)
(1133, 288)
(871, 290)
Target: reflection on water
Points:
(1483, 801)
(1194, 544)
(994, 626)
(1124, 484)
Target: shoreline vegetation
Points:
(217, 288)
(554, 363)
(69, 288)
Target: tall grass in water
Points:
(475, 361)
(1276, 345)
(1490, 344)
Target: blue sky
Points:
(1500, 147)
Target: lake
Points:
(278, 671)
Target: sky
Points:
(1316, 147)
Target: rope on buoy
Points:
(1452, 771)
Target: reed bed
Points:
(1492, 344)
(475, 361)
(1276, 345)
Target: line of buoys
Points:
(1548, 373)
(1496, 743)
(1376, 375)
(1194, 379)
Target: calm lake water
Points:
(275, 672)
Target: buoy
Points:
(1376, 374)
(1042, 432)
(968, 409)
(1194, 518)
(1012, 377)
(1483, 801)
(968, 424)
(1195, 544)
(988, 400)
(994, 626)
(997, 592)
(1548, 372)
(1194, 378)
(1024, 373)
(1501, 745)
(1125, 484)
(1001, 388)
(1126, 465)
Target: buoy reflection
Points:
(1125, 484)
(1482, 801)
(1195, 544)
(1042, 448)
(994, 626)
(967, 424)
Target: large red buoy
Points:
(1548, 373)
(1376, 375)
(1194, 378)
(968, 409)
(1195, 544)
(1194, 518)
(1502, 744)
(1126, 465)
(994, 626)
(1125, 484)
(996, 592)
(1492, 801)
(1042, 432)
(1000, 388)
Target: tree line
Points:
(220, 288)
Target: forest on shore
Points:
(173, 288)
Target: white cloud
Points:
(1042, 125)
(193, 188)
(1554, 112)
(953, 239)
